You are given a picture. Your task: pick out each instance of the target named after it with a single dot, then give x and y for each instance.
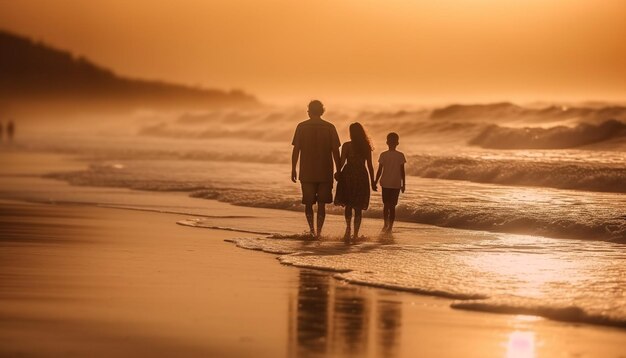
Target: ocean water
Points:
(529, 202)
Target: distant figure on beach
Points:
(316, 143)
(353, 182)
(10, 130)
(392, 179)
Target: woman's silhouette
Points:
(353, 187)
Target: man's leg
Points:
(308, 199)
(308, 212)
(321, 216)
(324, 196)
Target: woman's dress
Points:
(353, 186)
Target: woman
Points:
(353, 187)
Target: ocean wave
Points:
(505, 111)
(497, 137)
(538, 211)
(525, 218)
(484, 125)
(561, 174)
(166, 130)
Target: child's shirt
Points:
(392, 161)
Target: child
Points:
(392, 179)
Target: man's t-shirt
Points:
(316, 139)
(392, 161)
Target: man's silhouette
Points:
(316, 143)
(10, 130)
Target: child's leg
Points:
(392, 217)
(385, 216)
(357, 222)
(348, 215)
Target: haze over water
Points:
(542, 230)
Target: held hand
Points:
(403, 188)
(294, 175)
(374, 186)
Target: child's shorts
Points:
(390, 196)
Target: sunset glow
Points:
(394, 51)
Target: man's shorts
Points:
(390, 196)
(317, 192)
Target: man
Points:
(316, 143)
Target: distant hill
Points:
(34, 73)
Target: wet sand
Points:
(90, 281)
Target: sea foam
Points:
(560, 280)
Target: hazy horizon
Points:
(349, 52)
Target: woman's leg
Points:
(357, 222)
(348, 215)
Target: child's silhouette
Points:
(392, 179)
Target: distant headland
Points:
(35, 75)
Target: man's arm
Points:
(336, 143)
(295, 154)
(337, 159)
(403, 178)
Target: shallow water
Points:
(559, 279)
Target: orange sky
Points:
(353, 50)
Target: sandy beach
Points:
(82, 280)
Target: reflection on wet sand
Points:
(328, 317)
(521, 344)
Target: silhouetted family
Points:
(316, 145)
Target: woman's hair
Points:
(360, 141)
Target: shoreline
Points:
(170, 286)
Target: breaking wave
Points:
(539, 211)
(497, 137)
(508, 111)
(561, 174)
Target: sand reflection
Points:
(521, 344)
(328, 317)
